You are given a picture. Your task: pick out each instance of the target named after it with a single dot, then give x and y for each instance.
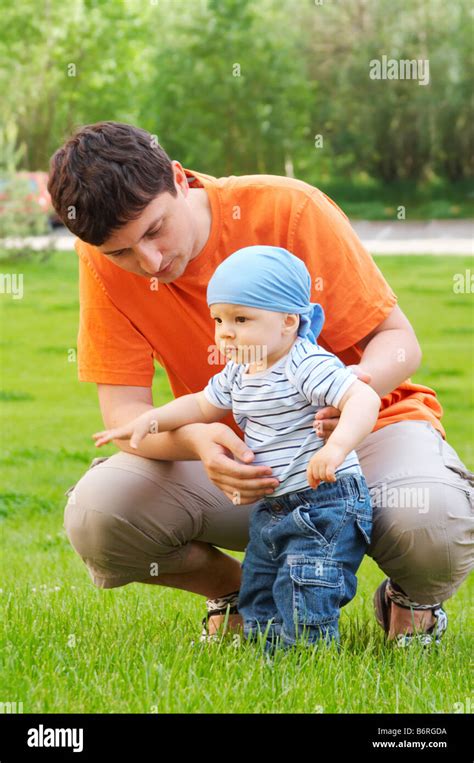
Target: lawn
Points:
(366, 199)
(69, 647)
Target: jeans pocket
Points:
(318, 587)
(325, 521)
(306, 526)
(364, 523)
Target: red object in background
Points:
(38, 185)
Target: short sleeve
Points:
(345, 279)
(322, 378)
(218, 391)
(110, 349)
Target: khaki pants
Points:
(130, 518)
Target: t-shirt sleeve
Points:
(218, 391)
(322, 378)
(110, 349)
(345, 280)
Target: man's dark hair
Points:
(105, 175)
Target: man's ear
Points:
(180, 178)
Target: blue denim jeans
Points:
(301, 561)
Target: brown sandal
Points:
(383, 605)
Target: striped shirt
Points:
(275, 409)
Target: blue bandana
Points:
(270, 278)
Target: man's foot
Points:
(215, 627)
(405, 622)
(222, 618)
(216, 624)
(431, 636)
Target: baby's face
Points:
(249, 334)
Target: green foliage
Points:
(10, 152)
(244, 86)
(230, 92)
(395, 129)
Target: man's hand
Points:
(136, 430)
(327, 419)
(322, 466)
(217, 445)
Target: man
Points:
(151, 234)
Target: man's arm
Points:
(120, 403)
(359, 408)
(391, 352)
(186, 409)
(225, 456)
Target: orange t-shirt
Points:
(125, 325)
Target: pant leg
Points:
(320, 546)
(130, 517)
(423, 502)
(256, 603)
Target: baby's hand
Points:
(136, 429)
(323, 464)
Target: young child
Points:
(308, 538)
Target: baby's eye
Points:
(238, 318)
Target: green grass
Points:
(69, 647)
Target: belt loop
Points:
(358, 488)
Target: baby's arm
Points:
(188, 409)
(359, 408)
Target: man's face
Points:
(164, 234)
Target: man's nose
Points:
(148, 257)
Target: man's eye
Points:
(150, 234)
(118, 254)
(154, 232)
